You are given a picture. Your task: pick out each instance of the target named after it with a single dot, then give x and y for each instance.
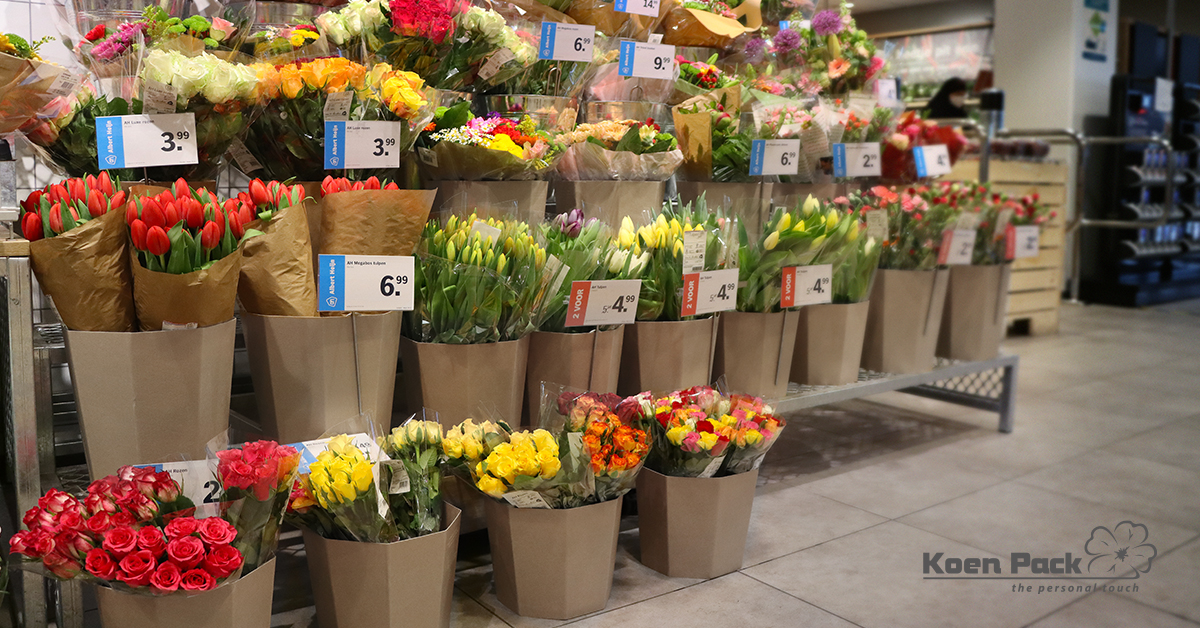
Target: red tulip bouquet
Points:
(371, 217)
(256, 481)
(277, 277)
(79, 251)
(134, 532)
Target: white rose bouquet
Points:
(345, 27)
(486, 52)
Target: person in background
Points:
(948, 102)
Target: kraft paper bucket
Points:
(457, 380)
(829, 344)
(754, 352)
(146, 397)
(244, 603)
(903, 320)
(554, 564)
(694, 527)
(588, 361)
(664, 356)
(311, 373)
(407, 584)
(973, 322)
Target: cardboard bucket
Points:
(903, 320)
(754, 352)
(590, 361)
(973, 321)
(609, 201)
(694, 527)
(456, 380)
(829, 344)
(244, 603)
(147, 396)
(554, 564)
(664, 356)
(311, 373)
(408, 583)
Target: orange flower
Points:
(838, 67)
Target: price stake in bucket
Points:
(774, 157)
(1022, 241)
(958, 246)
(195, 479)
(807, 285)
(361, 144)
(566, 42)
(603, 302)
(167, 139)
(932, 160)
(656, 61)
(638, 7)
(708, 292)
(373, 283)
(856, 160)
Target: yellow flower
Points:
(491, 486)
(362, 476)
(545, 441)
(771, 241)
(528, 464)
(505, 143)
(550, 466)
(707, 440)
(811, 205)
(754, 437)
(853, 235)
(676, 434)
(502, 466)
(452, 448)
(344, 490)
(471, 447)
(831, 220)
(784, 222)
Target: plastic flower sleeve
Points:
(545, 77)
(582, 248)
(413, 35)
(256, 480)
(752, 428)
(608, 84)
(485, 52)
(618, 151)
(462, 147)
(414, 474)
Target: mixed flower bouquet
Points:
(256, 480)
(486, 52)
(457, 145)
(915, 226)
(65, 131)
(994, 212)
(911, 131)
(699, 77)
(134, 532)
(714, 148)
(841, 56)
(620, 150)
(478, 281)
(25, 81)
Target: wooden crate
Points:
(1036, 291)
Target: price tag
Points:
(774, 157)
(526, 499)
(967, 220)
(714, 465)
(932, 160)
(157, 97)
(856, 160)
(877, 225)
(494, 62)
(400, 483)
(337, 106)
(1023, 241)
(242, 157)
(351, 145)
(807, 285)
(428, 156)
(886, 93)
(638, 7)
(708, 292)
(65, 84)
(197, 481)
(566, 42)
(694, 245)
(167, 139)
(372, 283)
(958, 246)
(485, 231)
(611, 302)
(656, 61)
(654, 38)
(1164, 95)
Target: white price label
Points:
(197, 480)
(807, 285)
(656, 61)
(337, 106)
(372, 283)
(611, 302)
(428, 156)
(157, 97)
(638, 7)
(566, 42)
(65, 84)
(958, 247)
(400, 483)
(526, 499)
(167, 139)
(694, 245)
(242, 157)
(877, 226)
(1164, 95)
(485, 231)
(886, 93)
(774, 157)
(708, 292)
(932, 160)
(856, 160)
(1026, 241)
(494, 62)
(714, 465)
(352, 145)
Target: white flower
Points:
(190, 75)
(158, 67)
(333, 26)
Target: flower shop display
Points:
(841, 56)
(256, 481)
(911, 131)
(153, 557)
(699, 77)
(65, 131)
(702, 23)
(714, 149)
(370, 517)
(696, 494)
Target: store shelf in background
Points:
(1035, 293)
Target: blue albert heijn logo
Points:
(625, 64)
(110, 142)
(758, 149)
(546, 51)
(839, 160)
(335, 144)
(622, 6)
(332, 283)
(919, 158)
(784, 25)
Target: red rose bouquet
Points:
(911, 131)
(256, 481)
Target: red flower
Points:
(216, 531)
(222, 561)
(157, 241)
(29, 542)
(151, 538)
(182, 526)
(137, 231)
(73, 544)
(100, 564)
(56, 221)
(171, 214)
(431, 19)
(210, 237)
(31, 227)
(152, 213)
(69, 520)
(235, 225)
(95, 34)
(259, 193)
(198, 580)
(58, 193)
(121, 519)
(96, 204)
(166, 578)
(137, 568)
(61, 565)
(186, 551)
(120, 541)
(99, 523)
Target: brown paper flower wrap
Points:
(604, 16)
(457, 162)
(693, 27)
(86, 272)
(374, 222)
(23, 85)
(205, 297)
(695, 130)
(277, 277)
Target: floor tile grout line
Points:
(1061, 608)
(805, 549)
(1100, 503)
(796, 597)
(610, 610)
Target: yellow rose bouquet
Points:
(344, 484)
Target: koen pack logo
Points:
(1121, 553)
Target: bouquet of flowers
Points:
(417, 448)
(486, 52)
(703, 23)
(752, 428)
(414, 35)
(897, 158)
(625, 150)
(478, 281)
(794, 236)
(583, 247)
(134, 532)
(25, 81)
(285, 42)
(61, 207)
(65, 131)
(841, 56)
(460, 146)
(870, 129)
(854, 271)
(714, 148)
(256, 481)
(346, 27)
(616, 448)
(340, 497)
(915, 227)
